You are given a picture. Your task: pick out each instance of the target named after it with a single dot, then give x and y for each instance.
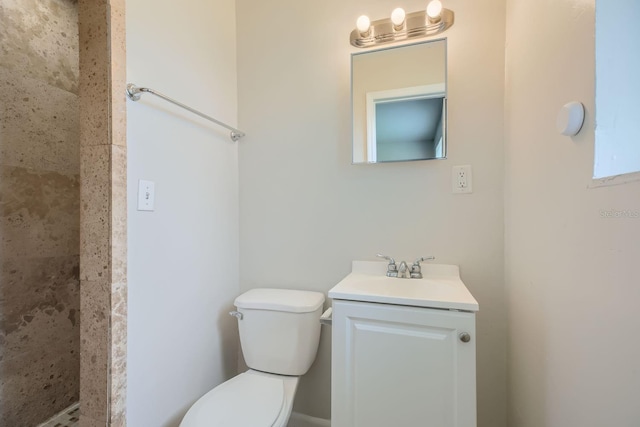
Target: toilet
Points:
(279, 335)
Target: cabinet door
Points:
(402, 366)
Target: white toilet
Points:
(279, 335)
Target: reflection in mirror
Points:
(399, 103)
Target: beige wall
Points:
(571, 272)
(306, 212)
(39, 210)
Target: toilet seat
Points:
(251, 399)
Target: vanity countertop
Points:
(440, 287)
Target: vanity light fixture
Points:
(402, 26)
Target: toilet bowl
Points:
(250, 399)
(279, 335)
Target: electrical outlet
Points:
(462, 179)
(146, 195)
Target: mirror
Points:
(399, 103)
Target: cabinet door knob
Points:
(464, 337)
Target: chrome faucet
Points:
(403, 271)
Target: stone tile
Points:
(95, 114)
(39, 213)
(119, 308)
(39, 210)
(119, 421)
(118, 214)
(95, 348)
(33, 284)
(103, 211)
(90, 422)
(95, 212)
(39, 39)
(39, 338)
(39, 126)
(118, 351)
(118, 389)
(33, 140)
(118, 73)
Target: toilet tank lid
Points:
(288, 300)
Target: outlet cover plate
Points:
(462, 179)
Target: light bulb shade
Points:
(434, 9)
(363, 23)
(397, 17)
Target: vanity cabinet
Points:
(397, 365)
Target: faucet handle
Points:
(387, 257)
(416, 271)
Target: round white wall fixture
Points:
(570, 118)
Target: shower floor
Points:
(67, 418)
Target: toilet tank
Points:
(280, 329)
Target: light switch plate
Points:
(146, 195)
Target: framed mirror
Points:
(399, 103)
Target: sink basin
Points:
(440, 287)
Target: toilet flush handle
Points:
(236, 314)
(326, 318)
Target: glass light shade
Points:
(363, 23)
(434, 9)
(397, 17)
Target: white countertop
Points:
(440, 287)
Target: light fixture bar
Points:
(416, 25)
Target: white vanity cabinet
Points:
(403, 364)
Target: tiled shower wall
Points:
(39, 210)
(103, 213)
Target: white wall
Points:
(571, 271)
(306, 212)
(183, 258)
